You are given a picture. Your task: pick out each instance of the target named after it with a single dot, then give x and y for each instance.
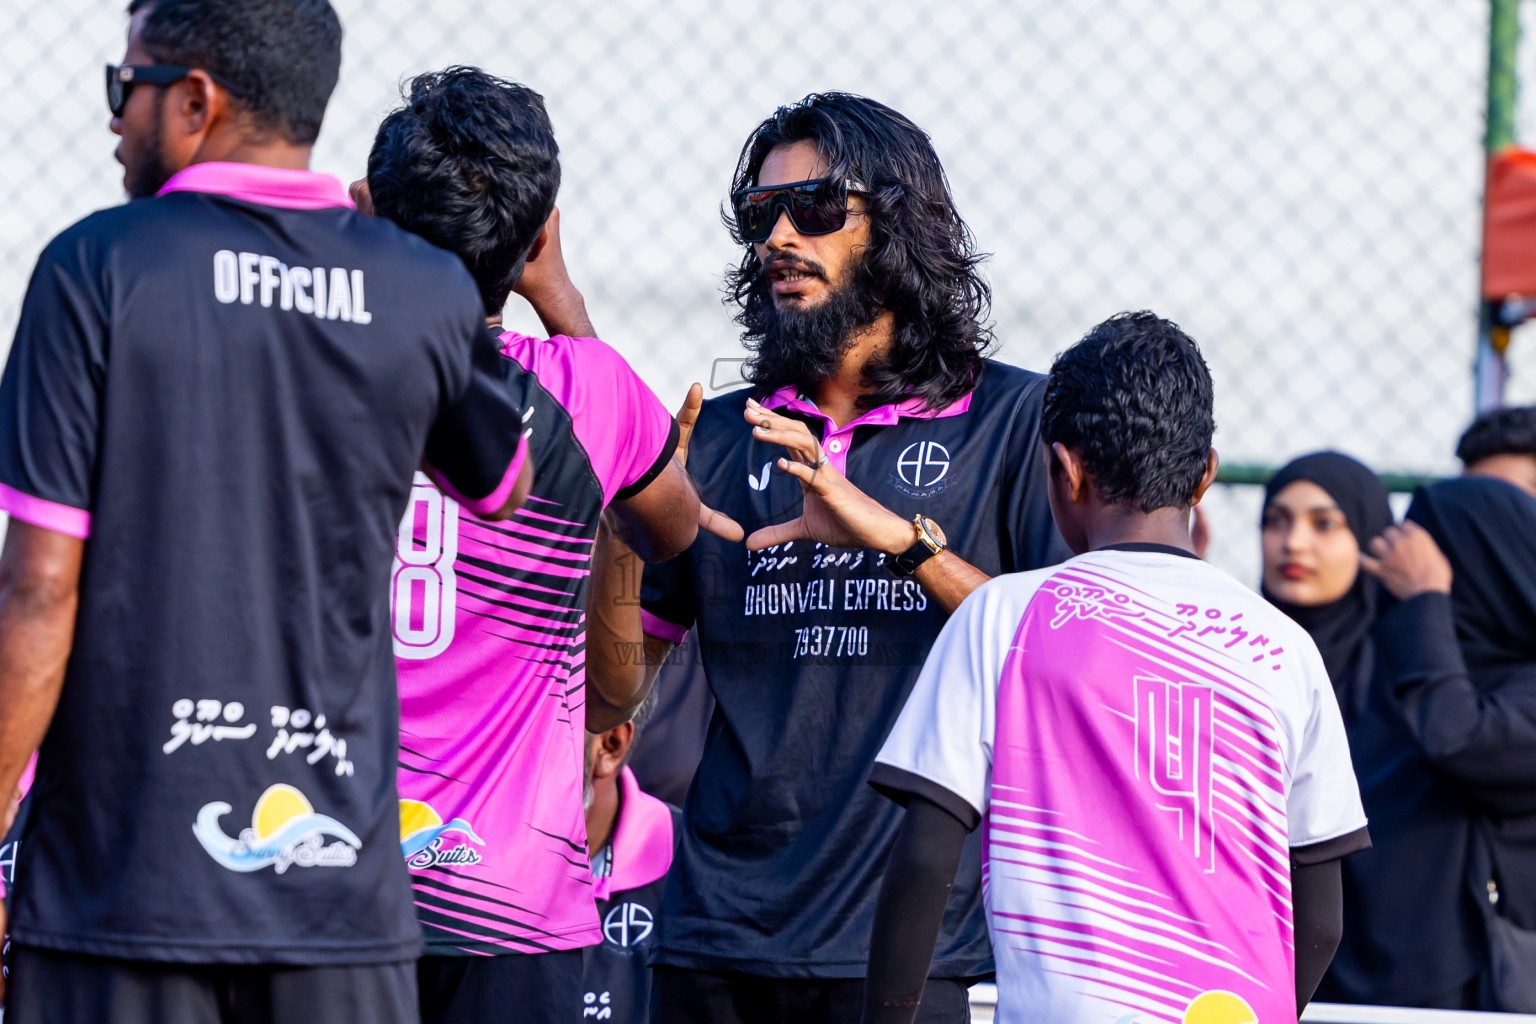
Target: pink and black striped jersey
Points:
(489, 641)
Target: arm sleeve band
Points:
(1317, 894)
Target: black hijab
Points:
(1487, 528)
(1342, 630)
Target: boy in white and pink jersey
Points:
(489, 624)
(1154, 752)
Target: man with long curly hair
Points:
(888, 468)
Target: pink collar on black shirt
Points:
(642, 840)
(837, 440)
(267, 186)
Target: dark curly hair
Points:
(1499, 432)
(470, 164)
(921, 260)
(1135, 398)
(283, 55)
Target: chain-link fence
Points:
(1297, 184)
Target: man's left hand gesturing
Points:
(835, 511)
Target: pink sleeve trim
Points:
(661, 628)
(50, 515)
(28, 775)
(492, 502)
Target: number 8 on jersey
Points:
(423, 588)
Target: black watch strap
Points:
(906, 563)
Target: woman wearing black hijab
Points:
(1470, 707)
(1410, 932)
(1320, 511)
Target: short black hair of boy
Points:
(470, 164)
(1135, 398)
(1499, 432)
(282, 55)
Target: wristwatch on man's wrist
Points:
(930, 541)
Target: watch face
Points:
(934, 531)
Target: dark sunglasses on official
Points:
(122, 77)
(815, 207)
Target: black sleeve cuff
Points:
(899, 784)
(1331, 849)
(1417, 639)
(667, 451)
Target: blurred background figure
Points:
(1410, 930)
(631, 837)
(1432, 654)
(1319, 512)
(1470, 708)
(1502, 444)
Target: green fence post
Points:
(1503, 42)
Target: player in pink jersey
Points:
(488, 623)
(1154, 752)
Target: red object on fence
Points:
(1509, 225)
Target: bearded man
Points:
(887, 468)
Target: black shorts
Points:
(530, 988)
(681, 996)
(47, 987)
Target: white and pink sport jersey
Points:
(1148, 744)
(489, 632)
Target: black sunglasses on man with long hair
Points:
(815, 207)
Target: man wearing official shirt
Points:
(887, 469)
(209, 423)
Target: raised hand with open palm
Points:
(835, 512)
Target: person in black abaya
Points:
(1444, 745)
(1469, 706)
(1410, 931)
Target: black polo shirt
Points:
(810, 653)
(227, 389)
